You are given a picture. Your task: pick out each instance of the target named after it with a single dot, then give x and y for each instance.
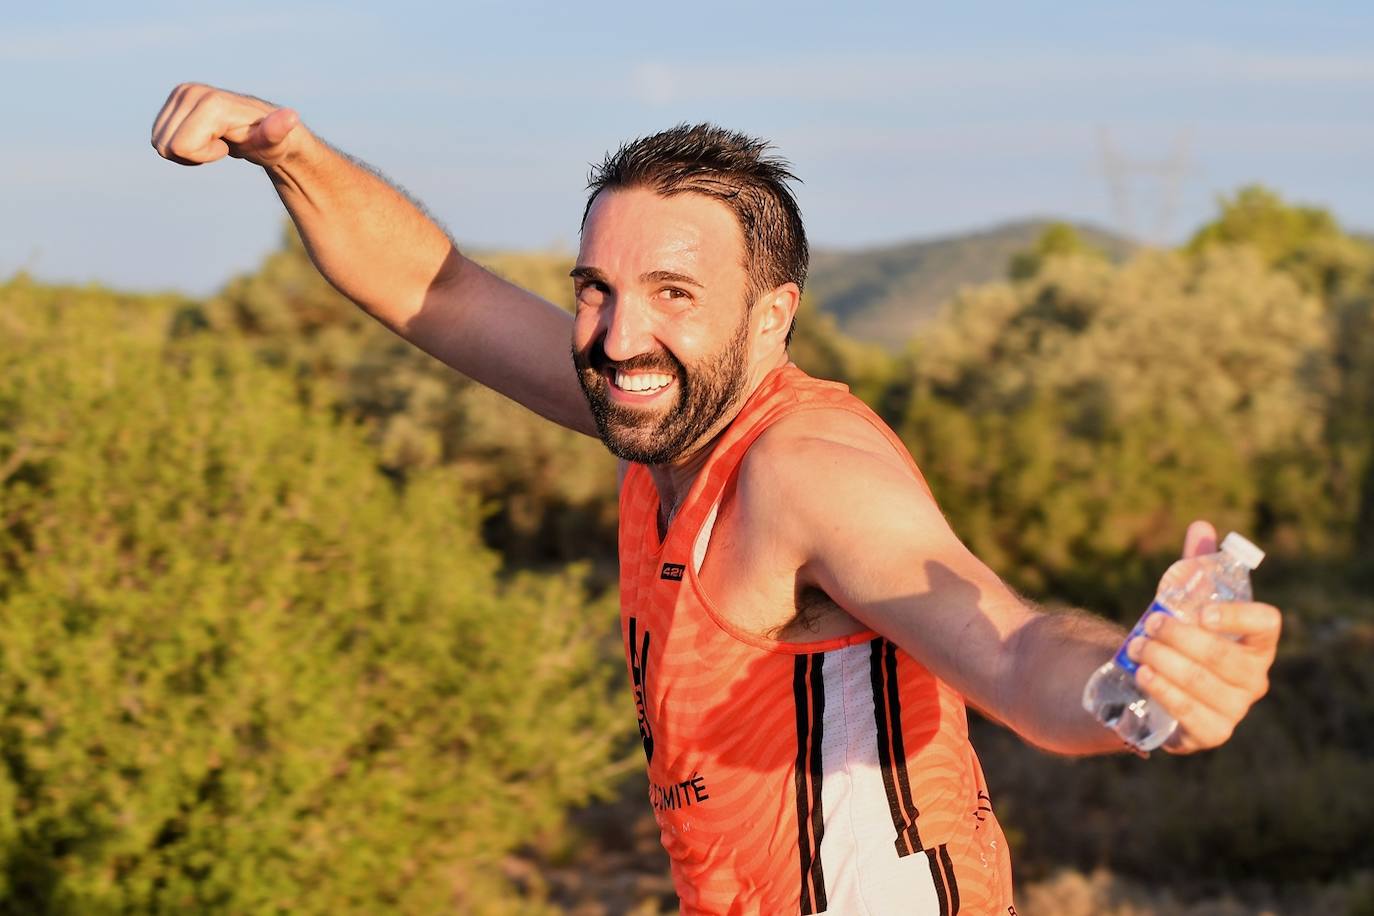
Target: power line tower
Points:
(1158, 181)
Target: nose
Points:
(628, 330)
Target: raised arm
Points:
(874, 540)
(380, 250)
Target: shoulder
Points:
(827, 470)
(810, 446)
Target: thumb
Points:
(275, 128)
(1200, 539)
(264, 141)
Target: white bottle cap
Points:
(1244, 553)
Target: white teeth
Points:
(647, 381)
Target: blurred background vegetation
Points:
(296, 620)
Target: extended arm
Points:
(381, 251)
(874, 540)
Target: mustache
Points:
(594, 357)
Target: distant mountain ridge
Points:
(885, 295)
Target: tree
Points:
(1057, 241)
(1073, 423)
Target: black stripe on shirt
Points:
(948, 866)
(808, 692)
(887, 715)
(937, 878)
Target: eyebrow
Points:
(587, 273)
(594, 275)
(668, 276)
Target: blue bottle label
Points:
(1124, 661)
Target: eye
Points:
(672, 292)
(590, 292)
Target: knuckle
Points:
(180, 149)
(208, 104)
(1144, 650)
(1272, 617)
(1215, 651)
(1178, 702)
(1194, 679)
(1166, 631)
(1236, 706)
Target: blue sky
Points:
(904, 120)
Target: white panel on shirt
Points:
(863, 873)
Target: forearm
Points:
(1051, 656)
(370, 241)
(381, 250)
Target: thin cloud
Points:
(849, 77)
(79, 43)
(846, 77)
(995, 139)
(1313, 70)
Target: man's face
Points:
(661, 337)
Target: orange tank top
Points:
(802, 778)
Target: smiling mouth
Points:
(640, 383)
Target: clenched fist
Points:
(199, 124)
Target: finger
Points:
(1199, 726)
(1224, 698)
(1200, 539)
(164, 113)
(1257, 625)
(199, 137)
(211, 152)
(175, 110)
(177, 106)
(184, 109)
(1231, 661)
(190, 97)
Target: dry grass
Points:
(1070, 893)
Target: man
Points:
(802, 627)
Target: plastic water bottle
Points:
(1112, 695)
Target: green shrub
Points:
(241, 670)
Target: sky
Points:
(904, 121)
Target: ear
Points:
(774, 311)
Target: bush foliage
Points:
(243, 670)
(289, 623)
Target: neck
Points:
(674, 479)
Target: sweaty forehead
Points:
(632, 231)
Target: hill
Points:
(884, 295)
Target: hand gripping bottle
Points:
(1111, 694)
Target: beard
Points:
(705, 393)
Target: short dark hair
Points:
(736, 170)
